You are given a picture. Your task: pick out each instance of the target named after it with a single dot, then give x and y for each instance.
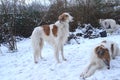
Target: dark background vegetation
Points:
(21, 17)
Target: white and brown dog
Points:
(55, 34)
(100, 57)
(108, 24)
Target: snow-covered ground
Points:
(20, 65)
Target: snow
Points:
(20, 65)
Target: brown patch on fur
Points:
(97, 50)
(46, 29)
(106, 54)
(55, 30)
(112, 48)
(63, 17)
(103, 53)
(104, 41)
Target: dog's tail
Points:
(36, 37)
(37, 42)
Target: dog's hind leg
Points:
(37, 45)
(56, 54)
(41, 46)
(36, 56)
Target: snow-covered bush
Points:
(88, 31)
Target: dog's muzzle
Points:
(107, 64)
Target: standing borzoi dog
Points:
(108, 24)
(101, 56)
(55, 34)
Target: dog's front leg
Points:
(62, 53)
(92, 70)
(86, 70)
(57, 54)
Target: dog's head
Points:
(100, 20)
(103, 54)
(65, 17)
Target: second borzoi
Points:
(101, 56)
(55, 34)
(108, 24)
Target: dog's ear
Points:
(61, 17)
(103, 54)
(106, 58)
(100, 20)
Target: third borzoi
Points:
(55, 34)
(108, 24)
(101, 56)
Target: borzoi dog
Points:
(100, 57)
(108, 24)
(55, 34)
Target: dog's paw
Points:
(81, 75)
(36, 62)
(41, 57)
(65, 59)
(84, 75)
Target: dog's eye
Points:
(66, 15)
(101, 52)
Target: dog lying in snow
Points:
(55, 34)
(101, 56)
(108, 24)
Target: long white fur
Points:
(38, 37)
(105, 23)
(97, 63)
